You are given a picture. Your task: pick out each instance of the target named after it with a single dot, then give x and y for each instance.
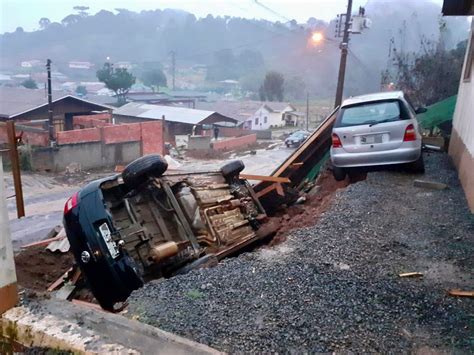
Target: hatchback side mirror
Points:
(421, 110)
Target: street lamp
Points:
(317, 37)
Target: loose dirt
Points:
(307, 214)
(37, 268)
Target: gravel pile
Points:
(335, 286)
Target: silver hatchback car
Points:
(376, 129)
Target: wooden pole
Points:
(15, 161)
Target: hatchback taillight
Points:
(410, 134)
(71, 203)
(336, 142)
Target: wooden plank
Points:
(410, 274)
(59, 281)
(279, 189)
(266, 190)
(42, 242)
(265, 178)
(461, 293)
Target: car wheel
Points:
(232, 168)
(418, 166)
(138, 171)
(339, 173)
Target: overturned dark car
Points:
(140, 225)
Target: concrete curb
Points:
(62, 325)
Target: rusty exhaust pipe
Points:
(164, 251)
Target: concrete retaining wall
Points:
(90, 155)
(239, 132)
(199, 142)
(8, 287)
(233, 143)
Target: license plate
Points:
(107, 236)
(371, 139)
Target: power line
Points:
(271, 10)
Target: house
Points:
(80, 65)
(461, 146)
(238, 110)
(273, 115)
(25, 105)
(179, 120)
(31, 63)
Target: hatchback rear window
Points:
(367, 113)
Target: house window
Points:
(265, 119)
(256, 120)
(469, 60)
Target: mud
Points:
(37, 268)
(308, 213)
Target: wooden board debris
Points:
(410, 274)
(461, 293)
(430, 184)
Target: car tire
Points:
(138, 171)
(339, 173)
(418, 166)
(232, 168)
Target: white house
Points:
(273, 115)
(461, 146)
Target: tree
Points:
(428, 77)
(154, 78)
(29, 84)
(70, 20)
(272, 88)
(81, 90)
(119, 80)
(44, 22)
(82, 10)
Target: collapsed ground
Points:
(335, 285)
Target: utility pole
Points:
(344, 48)
(173, 67)
(52, 138)
(307, 110)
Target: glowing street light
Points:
(317, 37)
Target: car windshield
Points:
(370, 113)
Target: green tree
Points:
(81, 90)
(29, 84)
(272, 87)
(154, 78)
(119, 80)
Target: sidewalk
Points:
(66, 326)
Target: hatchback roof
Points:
(373, 97)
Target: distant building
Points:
(273, 115)
(179, 120)
(31, 63)
(125, 65)
(20, 104)
(80, 65)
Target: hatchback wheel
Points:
(339, 173)
(418, 166)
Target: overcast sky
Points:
(26, 13)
